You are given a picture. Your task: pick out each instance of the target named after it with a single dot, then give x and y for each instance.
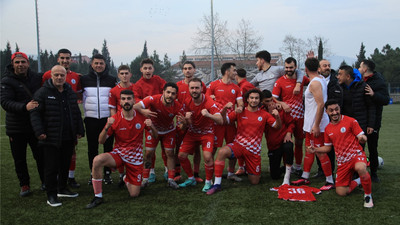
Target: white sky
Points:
(169, 25)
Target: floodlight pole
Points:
(37, 38)
(212, 42)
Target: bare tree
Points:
(314, 42)
(244, 39)
(296, 48)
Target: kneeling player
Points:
(345, 134)
(127, 126)
(247, 144)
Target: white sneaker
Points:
(368, 202)
(234, 177)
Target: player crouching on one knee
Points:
(346, 135)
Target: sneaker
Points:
(165, 175)
(207, 187)
(301, 181)
(319, 174)
(121, 182)
(53, 201)
(198, 179)
(67, 193)
(368, 202)
(152, 178)
(240, 172)
(327, 187)
(95, 202)
(214, 188)
(107, 179)
(72, 183)
(172, 184)
(177, 178)
(25, 191)
(145, 183)
(234, 177)
(297, 172)
(188, 182)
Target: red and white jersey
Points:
(114, 97)
(72, 78)
(273, 136)
(148, 87)
(283, 89)
(250, 128)
(128, 136)
(296, 193)
(224, 93)
(183, 90)
(245, 86)
(164, 122)
(201, 124)
(343, 136)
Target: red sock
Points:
(97, 186)
(353, 185)
(326, 165)
(366, 183)
(219, 168)
(298, 153)
(72, 165)
(209, 171)
(146, 173)
(164, 157)
(186, 166)
(308, 161)
(240, 162)
(171, 174)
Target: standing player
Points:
(201, 113)
(127, 126)
(73, 79)
(224, 91)
(188, 69)
(283, 90)
(148, 85)
(315, 121)
(345, 134)
(247, 144)
(162, 109)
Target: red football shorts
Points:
(344, 173)
(224, 131)
(314, 141)
(252, 161)
(191, 140)
(168, 140)
(133, 172)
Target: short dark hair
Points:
(124, 67)
(348, 70)
(146, 61)
(189, 62)
(226, 66)
(331, 101)
(196, 79)
(64, 50)
(290, 60)
(98, 56)
(264, 55)
(370, 64)
(312, 64)
(254, 90)
(126, 92)
(266, 94)
(241, 72)
(171, 84)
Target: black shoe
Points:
(375, 178)
(95, 202)
(319, 174)
(53, 201)
(43, 187)
(67, 193)
(107, 179)
(72, 183)
(25, 191)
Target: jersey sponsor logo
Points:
(233, 91)
(73, 81)
(221, 90)
(123, 128)
(330, 134)
(138, 126)
(343, 129)
(288, 86)
(51, 97)
(260, 118)
(245, 117)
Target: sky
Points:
(169, 26)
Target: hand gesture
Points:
(369, 91)
(31, 105)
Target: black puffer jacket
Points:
(48, 117)
(358, 105)
(14, 98)
(334, 89)
(381, 96)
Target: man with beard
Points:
(162, 109)
(127, 126)
(201, 113)
(283, 90)
(346, 135)
(247, 144)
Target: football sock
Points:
(165, 169)
(286, 179)
(218, 180)
(72, 164)
(164, 157)
(308, 161)
(146, 173)
(71, 174)
(209, 171)
(326, 165)
(241, 163)
(366, 183)
(298, 154)
(97, 187)
(186, 166)
(329, 179)
(305, 175)
(208, 181)
(152, 170)
(354, 184)
(219, 168)
(171, 174)
(297, 166)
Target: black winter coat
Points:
(48, 117)
(14, 98)
(334, 89)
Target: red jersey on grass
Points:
(296, 193)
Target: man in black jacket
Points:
(57, 123)
(377, 89)
(17, 88)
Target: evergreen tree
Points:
(135, 69)
(183, 59)
(106, 54)
(95, 52)
(320, 50)
(387, 62)
(158, 67)
(16, 47)
(144, 52)
(360, 56)
(5, 57)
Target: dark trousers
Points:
(18, 144)
(331, 156)
(93, 129)
(373, 151)
(56, 166)
(275, 158)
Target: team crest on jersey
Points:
(73, 81)
(343, 129)
(233, 91)
(260, 118)
(149, 137)
(138, 126)
(171, 115)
